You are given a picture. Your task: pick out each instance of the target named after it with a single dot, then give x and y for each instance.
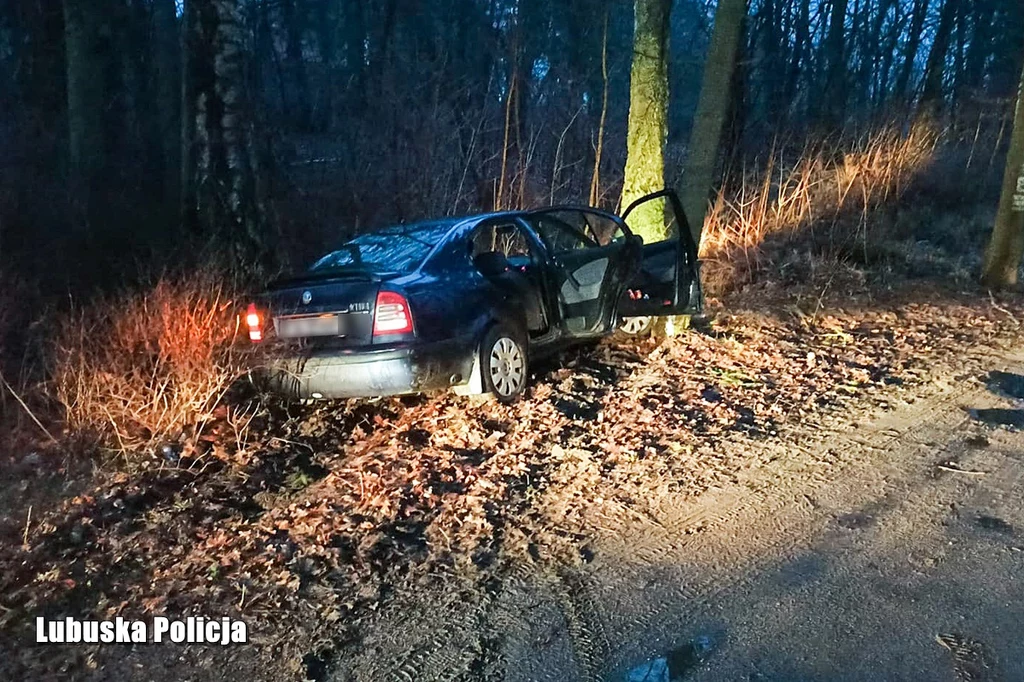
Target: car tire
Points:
(636, 326)
(504, 363)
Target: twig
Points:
(1001, 309)
(955, 470)
(28, 523)
(292, 442)
(25, 407)
(595, 180)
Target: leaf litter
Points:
(307, 527)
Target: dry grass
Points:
(827, 181)
(141, 367)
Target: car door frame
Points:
(539, 258)
(608, 315)
(688, 296)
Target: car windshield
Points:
(394, 249)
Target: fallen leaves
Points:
(325, 505)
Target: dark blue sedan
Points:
(467, 303)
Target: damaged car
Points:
(468, 303)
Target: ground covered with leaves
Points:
(303, 520)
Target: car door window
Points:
(569, 229)
(654, 220)
(561, 236)
(505, 238)
(668, 281)
(603, 229)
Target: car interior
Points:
(584, 259)
(502, 252)
(656, 280)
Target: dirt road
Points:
(885, 547)
(888, 551)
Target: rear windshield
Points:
(394, 249)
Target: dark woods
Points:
(137, 131)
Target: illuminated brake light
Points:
(255, 324)
(391, 314)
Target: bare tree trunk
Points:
(1006, 54)
(980, 46)
(800, 48)
(888, 57)
(1003, 257)
(299, 100)
(712, 109)
(167, 54)
(913, 45)
(88, 43)
(935, 70)
(766, 48)
(226, 203)
(326, 31)
(835, 56)
(874, 50)
(958, 61)
(648, 114)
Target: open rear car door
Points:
(668, 282)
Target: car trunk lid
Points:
(335, 308)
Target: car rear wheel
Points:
(636, 326)
(504, 364)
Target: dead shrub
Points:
(140, 367)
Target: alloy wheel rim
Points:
(507, 366)
(634, 325)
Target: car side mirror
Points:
(491, 263)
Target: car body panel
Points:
(395, 370)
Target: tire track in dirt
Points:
(726, 536)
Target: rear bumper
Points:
(367, 373)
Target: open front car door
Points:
(668, 282)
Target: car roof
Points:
(474, 218)
(468, 222)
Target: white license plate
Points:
(296, 327)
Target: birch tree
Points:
(223, 197)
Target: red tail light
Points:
(254, 321)
(391, 315)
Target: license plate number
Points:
(297, 327)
